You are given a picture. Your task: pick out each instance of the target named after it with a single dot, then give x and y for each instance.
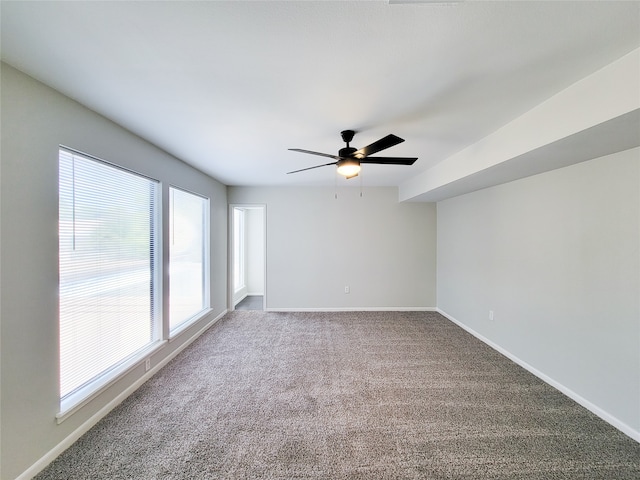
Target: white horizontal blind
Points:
(188, 214)
(107, 243)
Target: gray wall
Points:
(556, 257)
(317, 244)
(35, 120)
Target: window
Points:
(238, 249)
(188, 243)
(109, 307)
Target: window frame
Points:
(206, 281)
(83, 394)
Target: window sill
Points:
(188, 323)
(82, 397)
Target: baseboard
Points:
(353, 309)
(604, 415)
(50, 456)
(45, 460)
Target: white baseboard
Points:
(86, 426)
(604, 415)
(51, 455)
(354, 309)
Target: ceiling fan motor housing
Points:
(346, 152)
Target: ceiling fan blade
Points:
(390, 160)
(315, 153)
(311, 168)
(386, 142)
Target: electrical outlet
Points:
(347, 289)
(147, 364)
(491, 315)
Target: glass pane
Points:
(187, 249)
(106, 239)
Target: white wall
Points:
(556, 257)
(35, 120)
(255, 250)
(237, 295)
(316, 245)
(596, 116)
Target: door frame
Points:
(230, 251)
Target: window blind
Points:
(107, 268)
(188, 214)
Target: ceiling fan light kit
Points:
(349, 158)
(349, 168)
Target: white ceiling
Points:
(229, 86)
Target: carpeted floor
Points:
(376, 395)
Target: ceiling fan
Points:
(349, 158)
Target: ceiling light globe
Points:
(349, 168)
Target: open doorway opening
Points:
(247, 227)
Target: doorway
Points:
(247, 258)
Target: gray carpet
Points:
(385, 395)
